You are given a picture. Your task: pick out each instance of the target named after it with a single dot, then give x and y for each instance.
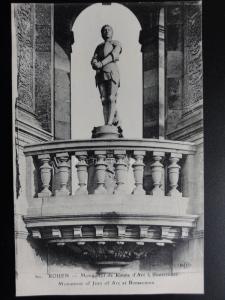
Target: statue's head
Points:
(107, 32)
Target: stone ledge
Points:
(166, 146)
(92, 205)
(151, 220)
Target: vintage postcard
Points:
(108, 148)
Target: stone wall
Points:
(44, 65)
(193, 93)
(62, 93)
(184, 119)
(174, 66)
(152, 40)
(24, 22)
(34, 36)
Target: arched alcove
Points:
(86, 108)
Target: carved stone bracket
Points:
(77, 231)
(144, 231)
(56, 233)
(121, 230)
(36, 234)
(99, 230)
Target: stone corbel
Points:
(144, 231)
(56, 233)
(36, 234)
(165, 232)
(77, 231)
(99, 230)
(185, 232)
(121, 230)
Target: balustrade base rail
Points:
(109, 204)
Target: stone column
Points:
(82, 172)
(45, 175)
(138, 168)
(100, 172)
(153, 48)
(63, 165)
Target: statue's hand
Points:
(94, 67)
(97, 65)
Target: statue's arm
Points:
(116, 50)
(114, 55)
(94, 59)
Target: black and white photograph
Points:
(108, 148)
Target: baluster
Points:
(110, 173)
(121, 171)
(45, 175)
(138, 169)
(157, 170)
(100, 166)
(63, 165)
(173, 174)
(82, 172)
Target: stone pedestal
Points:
(107, 131)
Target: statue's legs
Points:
(116, 119)
(105, 104)
(112, 90)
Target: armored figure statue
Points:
(107, 74)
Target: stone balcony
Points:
(129, 194)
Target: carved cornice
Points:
(28, 129)
(190, 127)
(109, 233)
(191, 132)
(28, 134)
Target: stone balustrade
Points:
(105, 197)
(162, 158)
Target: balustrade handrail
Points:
(112, 144)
